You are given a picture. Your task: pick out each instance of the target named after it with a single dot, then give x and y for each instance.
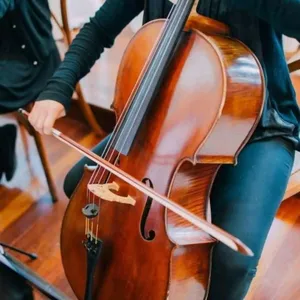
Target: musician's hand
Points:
(44, 114)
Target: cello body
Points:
(205, 111)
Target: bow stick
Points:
(211, 229)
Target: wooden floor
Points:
(29, 220)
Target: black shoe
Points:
(8, 150)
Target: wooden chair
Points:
(83, 104)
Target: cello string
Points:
(113, 137)
(151, 54)
(151, 81)
(118, 154)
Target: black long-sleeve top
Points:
(258, 23)
(28, 54)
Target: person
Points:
(28, 58)
(245, 197)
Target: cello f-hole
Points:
(148, 236)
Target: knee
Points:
(74, 176)
(68, 186)
(227, 261)
(72, 180)
(231, 274)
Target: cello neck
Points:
(153, 73)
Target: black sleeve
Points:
(99, 33)
(282, 15)
(6, 6)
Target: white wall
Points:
(79, 11)
(290, 45)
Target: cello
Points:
(186, 104)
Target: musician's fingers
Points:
(36, 118)
(32, 117)
(44, 114)
(39, 124)
(49, 123)
(62, 113)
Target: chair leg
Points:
(42, 152)
(58, 25)
(84, 106)
(23, 135)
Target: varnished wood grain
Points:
(244, 92)
(36, 228)
(191, 187)
(183, 81)
(190, 282)
(216, 66)
(174, 129)
(124, 253)
(204, 24)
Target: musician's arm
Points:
(5, 6)
(283, 15)
(99, 33)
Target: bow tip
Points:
(242, 248)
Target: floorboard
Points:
(28, 219)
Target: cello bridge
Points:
(104, 191)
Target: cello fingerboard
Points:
(150, 81)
